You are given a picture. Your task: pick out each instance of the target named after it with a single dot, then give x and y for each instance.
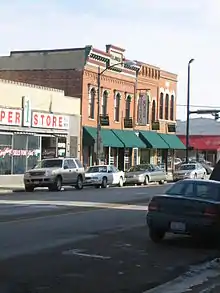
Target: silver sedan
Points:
(145, 173)
(190, 171)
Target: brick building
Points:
(138, 102)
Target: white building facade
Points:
(36, 123)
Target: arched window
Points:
(153, 110)
(172, 108)
(92, 103)
(167, 107)
(128, 107)
(104, 103)
(161, 106)
(117, 100)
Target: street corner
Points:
(121, 261)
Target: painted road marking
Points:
(88, 204)
(79, 252)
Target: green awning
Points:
(129, 138)
(153, 140)
(108, 137)
(173, 141)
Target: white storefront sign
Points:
(10, 117)
(52, 121)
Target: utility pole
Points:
(188, 111)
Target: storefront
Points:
(120, 147)
(206, 147)
(25, 141)
(35, 123)
(29, 136)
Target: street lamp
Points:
(188, 110)
(98, 140)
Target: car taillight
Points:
(210, 212)
(153, 206)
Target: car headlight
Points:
(27, 174)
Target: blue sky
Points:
(166, 33)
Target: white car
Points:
(103, 176)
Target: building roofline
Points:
(30, 85)
(48, 50)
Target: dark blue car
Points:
(190, 207)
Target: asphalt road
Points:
(87, 241)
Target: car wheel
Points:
(97, 186)
(161, 182)
(57, 184)
(104, 182)
(156, 236)
(29, 188)
(146, 180)
(121, 183)
(79, 183)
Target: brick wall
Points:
(68, 80)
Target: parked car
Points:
(207, 167)
(104, 175)
(190, 170)
(190, 207)
(144, 174)
(55, 173)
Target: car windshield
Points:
(188, 167)
(193, 189)
(139, 168)
(49, 164)
(97, 169)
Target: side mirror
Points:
(109, 171)
(65, 167)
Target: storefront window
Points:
(33, 151)
(5, 154)
(19, 153)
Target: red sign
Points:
(11, 117)
(203, 142)
(52, 121)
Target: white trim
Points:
(99, 54)
(95, 65)
(122, 73)
(167, 92)
(162, 90)
(173, 94)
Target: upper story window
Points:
(104, 103)
(91, 106)
(167, 107)
(153, 110)
(161, 106)
(117, 100)
(128, 107)
(172, 108)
